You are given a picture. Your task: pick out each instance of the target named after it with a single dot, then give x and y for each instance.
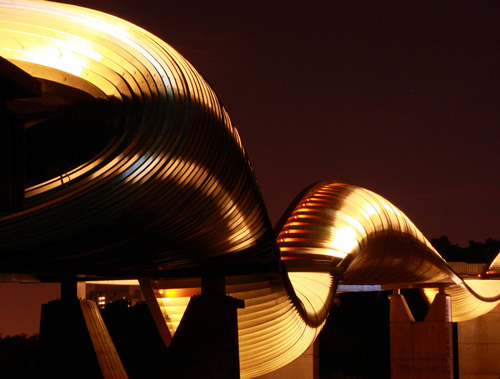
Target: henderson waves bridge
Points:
(133, 170)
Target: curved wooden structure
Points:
(155, 177)
(135, 170)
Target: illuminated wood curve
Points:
(375, 243)
(333, 232)
(160, 186)
(171, 187)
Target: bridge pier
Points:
(421, 349)
(74, 341)
(205, 344)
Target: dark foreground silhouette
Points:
(353, 344)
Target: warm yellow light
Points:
(495, 265)
(334, 253)
(128, 282)
(312, 288)
(344, 239)
(465, 306)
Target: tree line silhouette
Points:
(18, 356)
(476, 252)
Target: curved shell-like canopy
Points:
(135, 170)
(156, 177)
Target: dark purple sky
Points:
(401, 98)
(398, 97)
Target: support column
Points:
(205, 344)
(401, 333)
(421, 348)
(74, 342)
(155, 311)
(304, 367)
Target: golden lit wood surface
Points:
(169, 188)
(161, 187)
(334, 229)
(107, 356)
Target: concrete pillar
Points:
(205, 344)
(479, 346)
(81, 290)
(75, 343)
(421, 349)
(401, 336)
(155, 311)
(304, 367)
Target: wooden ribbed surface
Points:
(172, 189)
(375, 243)
(109, 360)
(165, 189)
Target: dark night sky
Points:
(398, 97)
